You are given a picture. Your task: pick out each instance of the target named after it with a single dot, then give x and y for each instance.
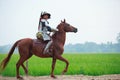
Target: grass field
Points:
(87, 64)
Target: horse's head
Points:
(63, 26)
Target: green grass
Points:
(87, 64)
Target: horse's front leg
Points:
(64, 60)
(53, 66)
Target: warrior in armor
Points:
(44, 28)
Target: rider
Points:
(44, 27)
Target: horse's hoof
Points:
(53, 76)
(26, 74)
(64, 71)
(20, 78)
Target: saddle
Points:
(40, 41)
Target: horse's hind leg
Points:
(20, 61)
(25, 69)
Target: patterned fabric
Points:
(43, 29)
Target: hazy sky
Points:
(97, 20)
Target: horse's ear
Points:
(64, 21)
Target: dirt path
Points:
(68, 77)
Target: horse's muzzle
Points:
(75, 30)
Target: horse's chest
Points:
(59, 48)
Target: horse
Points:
(28, 47)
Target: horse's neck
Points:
(59, 37)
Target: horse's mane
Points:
(58, 26)
(59, 36)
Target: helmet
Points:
(45, 13)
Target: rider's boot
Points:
(46, 50)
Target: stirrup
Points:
(46, 51)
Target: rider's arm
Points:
(46, 24)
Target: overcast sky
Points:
(97, 20)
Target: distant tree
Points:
(118, 38)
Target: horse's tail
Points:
(6, 60)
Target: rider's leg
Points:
(46, 50)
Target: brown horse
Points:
(27, 47)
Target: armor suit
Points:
(43, 28)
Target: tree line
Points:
(94, 47)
